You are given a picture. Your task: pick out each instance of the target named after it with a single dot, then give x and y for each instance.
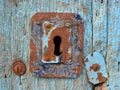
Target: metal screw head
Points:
(19, 68)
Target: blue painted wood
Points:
(113, 57)
(101, 34)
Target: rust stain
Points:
(77, 69)
(101, 78)
(80, 34)
(68, 25)
(65, 45)
(33, 54)
(33, 50)
(95, 67)
(42, 16)
(48, 27)
(53, 75)
(49, 57)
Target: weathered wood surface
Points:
(102, 24)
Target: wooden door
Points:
(101, 33)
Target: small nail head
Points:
(19, 68)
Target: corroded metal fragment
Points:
(56, 45)
(96, 69)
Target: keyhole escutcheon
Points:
(57, 41)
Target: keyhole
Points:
(57, 41)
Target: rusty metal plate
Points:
(56, 45)
(96, 68)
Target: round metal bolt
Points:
(19, 68)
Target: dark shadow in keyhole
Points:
(57, 41)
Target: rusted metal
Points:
(56, 45)
(96, 69)
(19, 67)
(48, 49)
